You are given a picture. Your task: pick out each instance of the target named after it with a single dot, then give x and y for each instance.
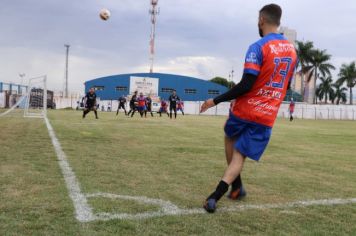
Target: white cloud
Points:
(200, 38)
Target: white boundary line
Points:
(84, 213)
(14, 106)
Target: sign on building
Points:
(146, 85)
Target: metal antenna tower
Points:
(154, 11)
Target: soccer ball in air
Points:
(104, 14)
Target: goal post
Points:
(36, 98)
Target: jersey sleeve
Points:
(253, 60)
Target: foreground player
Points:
(173, 104)
(122, 103)
(268, 69)
(90, 103)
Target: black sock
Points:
(237, 183)
(96, 114)
(221, 189)
(85, 112)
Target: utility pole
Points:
(22, 75)
(154, 11)
(66, 73)
(231, 76)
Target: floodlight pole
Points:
(22, 75)
(154, 11)
(66, 75)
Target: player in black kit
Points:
(90, 103)
(148, 105)
(173, 104)
(133, 103)
(122, 103)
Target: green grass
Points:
(180, 161)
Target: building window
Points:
(98, 88)
(213, 92)
(121, 88)
(167, 90)
(190, 91)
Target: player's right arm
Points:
(245, 85)
(85, 99)
(252, 67)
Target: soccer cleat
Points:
(210, 205)
(237, 194)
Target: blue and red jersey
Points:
(291, 106)
(180, 104)
(141, 101)
(163, 104)
(273, 60)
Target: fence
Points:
(320, 112)
(301, 111)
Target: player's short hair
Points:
(272, 13)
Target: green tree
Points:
(339, 93)
(325, 89)
(222, 81)
(304, 51)
(347, 75)
(319, 64)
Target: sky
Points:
(199, 38)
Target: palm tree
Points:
(304, 51)
(325, 89)
(319, 63)
(347, 75)
(339, 93)
(318, 95)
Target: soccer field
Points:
(121, 164)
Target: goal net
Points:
(36, 98)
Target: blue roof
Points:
(188, 88)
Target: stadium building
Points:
(156, 84)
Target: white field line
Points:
(169, 209)
(13, 107)
(84, 212)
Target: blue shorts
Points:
(141, 108)
(251, 138)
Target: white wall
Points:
(302, 110)
(2, 100)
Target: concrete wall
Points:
(302, 110)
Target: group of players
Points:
(138, 103)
